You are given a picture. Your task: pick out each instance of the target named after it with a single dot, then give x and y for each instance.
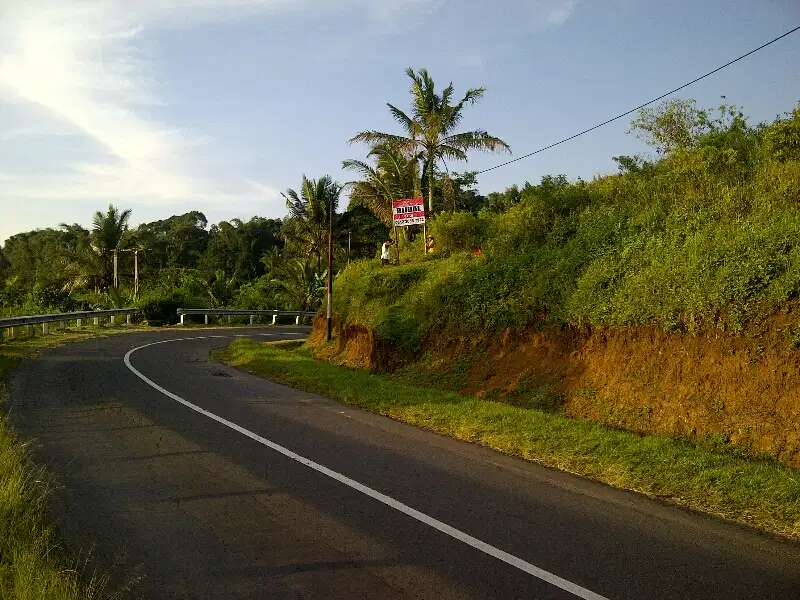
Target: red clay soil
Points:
(742, 388)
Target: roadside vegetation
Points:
(698, 236)
(33, 564)
(710, 477)
(702, 235)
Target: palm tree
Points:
(108, 230)
(310, 212)
(88, 262)
(107, 237)
(393, 176)
(83, 267)
(430, 128)
(297, 285)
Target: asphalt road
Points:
(223, 485)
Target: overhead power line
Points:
(641, 106)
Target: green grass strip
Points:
(761, 493)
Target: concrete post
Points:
(183, 319)
(128, 320)
(97, 320)
(252, 319)
(62, 324)
(229, 319)
(12, 333)
(275, 318)
(297, 320)
(45, 328)
(78, 323)
(206, 319)
(113, 318)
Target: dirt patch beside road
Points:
(727, 389)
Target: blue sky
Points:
(166, 106)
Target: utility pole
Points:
(330, 269)
(116, 268)
(136, 274)
(135, 252)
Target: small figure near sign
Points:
(386, 250)
(430, 244)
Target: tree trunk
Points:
(430, 187)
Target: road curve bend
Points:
(206, 482)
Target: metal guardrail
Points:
(231, 312)
(14, 323)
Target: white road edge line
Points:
(510, 559)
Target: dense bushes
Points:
(707, 236)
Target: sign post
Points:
(410, 211)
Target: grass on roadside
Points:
(761, 493)
(32, 564)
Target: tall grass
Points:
(706, 237)
(33, 565)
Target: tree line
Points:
(281, 263)
(260, 263)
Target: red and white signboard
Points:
(408, 212)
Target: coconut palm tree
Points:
(309, 215)
(393, 176)
(89, 263)
(108, 236)
(430, 128)
(297, 285)
(108, 230)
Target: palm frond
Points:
(410, 126)
(476, 140)
(374, 138)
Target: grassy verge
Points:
(32, 564)
(711, 479)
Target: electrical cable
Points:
(641, 106)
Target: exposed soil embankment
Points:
(738, 388)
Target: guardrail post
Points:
(45, 328)
(128, 320)
(78, 323)
(183, 317)
(297, 320)
(113, 319)
(252, 319)
(30, 331)
(13, 333)
(275, 318)
(62, 324)
(206, 319)
(97, 320)
(229, 319)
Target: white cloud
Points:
(560, 14)
(86, 63)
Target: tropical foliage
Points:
(430, 130)
(311, 212)
(702, 234)
(185, 262)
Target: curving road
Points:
(211, 483)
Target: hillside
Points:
(659, 299)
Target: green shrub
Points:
(460, 231)
(161, 308)
(708, 236)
